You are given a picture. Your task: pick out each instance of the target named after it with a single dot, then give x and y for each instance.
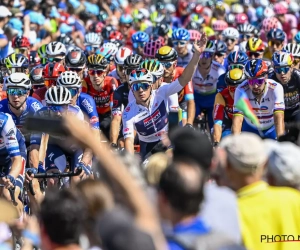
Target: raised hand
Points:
(200, 45)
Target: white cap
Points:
(4, 12)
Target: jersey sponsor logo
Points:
(94, 119)
(14, 151)
(87, 105)
(11, 135)
(127, 109)
(153, 118)
(50, 156)
(101, 99)
(1, 122)
(126, 129)
(266, 99)
(36, 106)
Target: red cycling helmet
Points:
(20, 42)
(115, 35)
(241, 18)
(96, 27)
(198, 9)
(51, 72)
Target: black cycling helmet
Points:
(133, 61)
(106, 31)
(161, 29)
(75, 58)
(36, 75)
(276, 34)
(65, 39)
(221, 47)
(119, 43)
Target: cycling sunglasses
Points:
(139, 45)
(73, 91)
(280, 70)
(231, 88)
(54, 59)
(227, 39)
(218, 54)
(247, 36)
(137, 86)
(58, 108)
(206, 55)
(75, 69)
(120, 68)
(277, 43)
(98, 72)
(16, 91)
(179, 43)
(21, 51)
(167, 65)
(236, 66)
(128, 71)
(255, 54)
(256, 81)
(90, 48)
(16, 70)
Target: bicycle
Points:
(201, 123)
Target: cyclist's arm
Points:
(238, 117)
(218, 117)
(115, 128)
(128, 131)
(189, 98)
(9, 135)
(279, 107)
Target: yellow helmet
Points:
(97, 62)
(235, 77)
(255, 45)
(166, 53)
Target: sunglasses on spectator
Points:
(167, 65)
(236, 66)
(73, 91)
(227, 39)
(280, 70)
(218, 54)
(206, 55)
(232, 88)
(75, 69)
(277, 43)
(247, 36)
(137, 86)
(256, 81)
(16, 91)
(179, 43)
(139, 45)
(255, 54)
(54, 59)
(98, 72)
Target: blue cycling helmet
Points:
(181, 34)
(276, 34)
(297, 37)
(237, 57)
(140, 37)
(126, 19)
(221, 47)
(256, 68)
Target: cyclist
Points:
(231, 37)
(34, 59)
(42, 54)
(56, 52)
(37, 79)
(125, 26)
(17, 63)
(168, 58)
(13, 155)
(108, 50)
(51, 72)
(92, 42)
(276, 38)
(220, 54)
(148, 113)
(58, 103)
(139, 40)
(120, 99)
(294, 49)
(223, 107)
(21, 45)
(163, 30)
(118, 73)
(18, 103)
(267, 99)
(205, 81)
(180, 41)
(246, 31)
(290, 81)
(101, 88)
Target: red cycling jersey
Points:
(103, 98)
(223, 102)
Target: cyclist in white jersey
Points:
(266, 98)
(147, 114)
(205, 81)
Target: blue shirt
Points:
(3, 50)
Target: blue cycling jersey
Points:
(32, 106)
(88, 106)
(10, 137)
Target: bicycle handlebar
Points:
(12, 195)
(57, 175)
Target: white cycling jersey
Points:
(150, 123)
(208, 85)
(172, 99)
(271, 101)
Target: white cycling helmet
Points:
(55, 49)
(122, 54)
(69, 79)
(19, 80)
(231, 33)
(111, 46)
(140, 75)
(293, 48)
(92, 39)
(58, 95)
(242, 46)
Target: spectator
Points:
(282, 170)
(263, 209)
(4, 14)
(157, 163)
